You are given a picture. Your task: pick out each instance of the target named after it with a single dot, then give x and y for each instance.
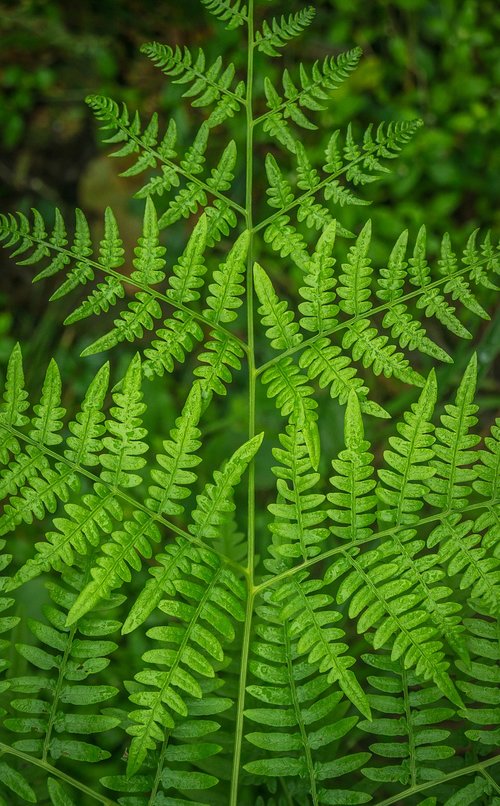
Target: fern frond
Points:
(280, 32)
(402, 487)
(7, 622)
(409, 726)
(433, 303)
(353, 499)
(215, 500)
(482, 269)
(297, 514)
(318, 309)
(458, 287)
(454, 448)
(221, 219)
(328, 364)
(207, 84)
(294, 399)
(176, 558)
(186, 750)
(380, 598)
(132, 542)
(141, 313)
(298, 715)
(187, 274)
(307, 608)
(313, 89)
(53, 719)
(487, 482)
(480, 683)
(222, 355)
(173, 342)
(171, 483)
(227, 287)
(284, 239)
(207, 602)
(282, 330)
(121, 455)
(155, 153)
(232, 12)
(13, 405)
(360, 161)
(351, 297)
(464, 550)
(51, 485)
(44, 432)
(15, 784)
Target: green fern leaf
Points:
(482, 269)
(463, 550)
(227, 287)
(16, 784)
(171, 483)
(300, 712)
(174, 341)
(303, 605)
(13, 405)
(374, 351)
(58, 794)
(354, 284)
(283, 330)
(222, 355)
(411, 729)
(403, 486)
(313, 90)
(83, 445)
(53, 720)
(353, 499)
(454, 448)
(142, 312)
(44, 432)
(480, 683)
(176, 558)
(297, 515)
(318, 309)
(284, 239)
(6, 622)
(326, 362)
(382, 599)
(433, 303)
(279, 192)
(280, 32)
(487, 482)
(111, 257)
(215, 501)
(294, 399)
(232, 12)
(207, 84)
(113, 565)
(458, 287)
(207, 602)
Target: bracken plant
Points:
(199, 644)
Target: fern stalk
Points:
(250, 567)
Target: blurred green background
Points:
(434, 59)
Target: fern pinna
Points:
(337, 644)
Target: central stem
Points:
(251, 412)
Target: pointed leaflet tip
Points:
(353, 421)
